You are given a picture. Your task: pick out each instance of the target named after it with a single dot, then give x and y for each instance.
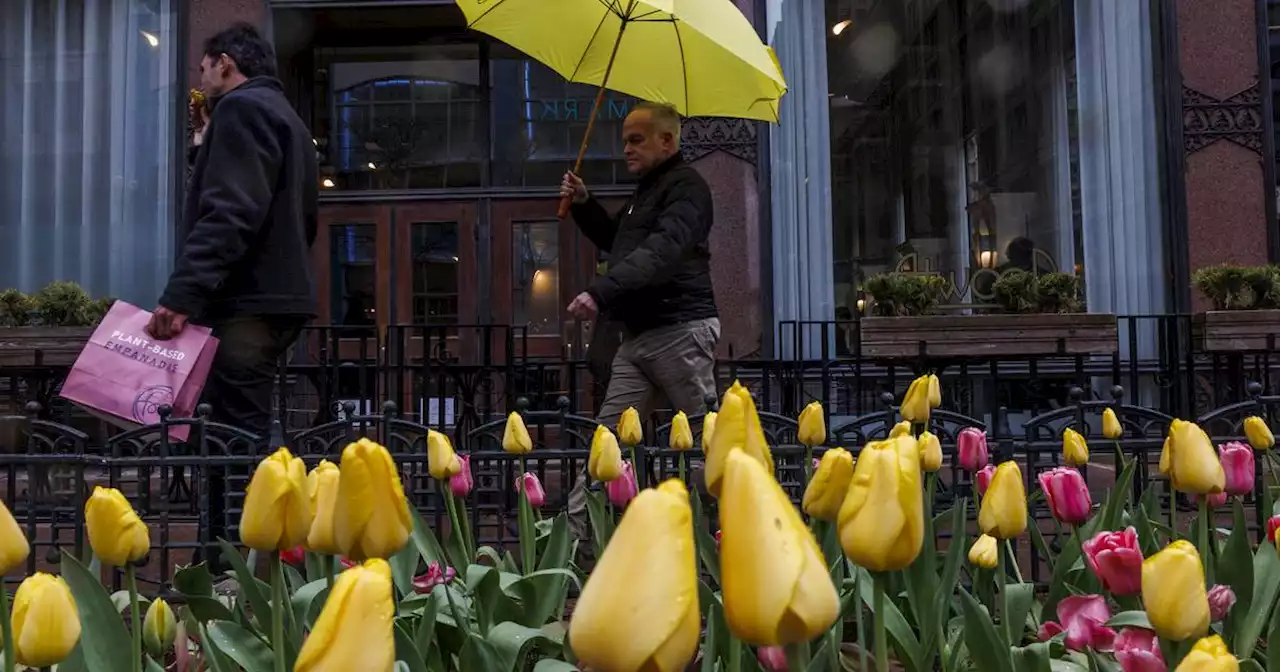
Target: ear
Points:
(226, 65)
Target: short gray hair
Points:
(665, 116)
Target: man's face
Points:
(214, 75)
(644, 145)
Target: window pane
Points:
(536, 276)
(354, 272)
(435, 273)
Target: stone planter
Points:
(42, 346)
(989, 335)
(1236, 330)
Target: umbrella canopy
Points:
(702, 56)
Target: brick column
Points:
(206, 17)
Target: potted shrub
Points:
(1246, 307)
(48, 328)
(1034, 315)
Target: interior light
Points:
(839, 27)
(372, 166)
(151, 39)
(327, 183)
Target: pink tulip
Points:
(623, 488)
(532, 488)
(1068, 495)
(1272, 523)
(1117, 561)
(1216, 500)
(1237, 462)
(772, 658)
(1221, 599)
(982, 479)
(972, 446)
(434, 577)
(718, 539)
(1082, 618)
(462, 482)
(296, 556)
(1138, 650)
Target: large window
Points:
(535, 277)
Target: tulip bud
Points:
(813, 425)
(460, 484)
(917, 402)
(773, 658)
(605, 461)
(1174, 594)
(1075, 451)
(971, 444)
(985, 552)
(775, 583)
(930, 452)
(1221, 599)
(425, 584)
(982, 479)
(515, 437)
(159, 628)
(277, 511)
(1067, 494)
(935, 391)
(355, 628)
(737, 428)
(826, 492)
(442, 461)
(1191, 462)
(681, 434)
(46, 625)
(1004, 508)
(116, 533)
(882, 518)
(532, 488)
(629, 431)
(322, 492)
(1116, 559)
(1209, 655)
(708, 430)
(622, 489)
(1111, 427)
(1082, 618)
(1237, 466)
(13, 543)
(371, 518)
(1215, 501)
(296, 556)
(639, 609)
(1138, 650)
(901, 429)
(1258, 433)
(1272, 523)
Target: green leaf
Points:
(250, 588)
(427, 544)
(899, 629)
(407, 651)
(1130, 619)
(1102, 663)
(549, 665)
(542, 592)
(957, 549)
(1021, 597)
(1273, 645)
(120, 599)
(710, 644)
(708, 552)
(985, 645)
(492, 605)
(1032, 658)
(921, 579)
(217, 660)
(304, 601)
(1235, 563)
(193, 580)
(242, 646)
(103, 636)
(1147, 538)
(1266, 586)
(478, 654)
(512, 642)
(404, 564)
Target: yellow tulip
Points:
(776, 587)
(277, 510)
(708, 430)
(442, 461)
(901, 429)
(930, 452)
(116, 533)
(14, 548)
(1004, 507)
(1210, 654)
(159, 628)
(813, 425)
(681, 433)
(1191, 461)
(1075, 451)
(882, 518)
(355, 628)
(737, 428)
(825, 494)
(1174, 593)
(371, 519)
(935, 391)
(639, 609)
(46, 625)
(984, 552)
(917, 403)
(1258, 433)
(605, 461)
(322, 491)
(629, 431)
(515, 437)
(1111, 427)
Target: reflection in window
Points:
(435, 273)
(954, 144)
(354, 274)
(536, 276)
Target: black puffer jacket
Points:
(659, 258)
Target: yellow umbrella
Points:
(701, 56)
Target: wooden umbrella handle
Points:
(567, 200)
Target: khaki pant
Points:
(676, 362)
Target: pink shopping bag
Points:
(124, 376)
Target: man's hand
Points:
(573, 186)
(165, 323)
(583, 306)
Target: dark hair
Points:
(243, 44)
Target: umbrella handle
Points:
(565, 201)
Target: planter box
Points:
(1236, 330)
(989, 335)
(51, 346)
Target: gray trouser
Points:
(676, 362)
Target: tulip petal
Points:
(1173, 591)
(354, 631)
(46, 623)
(14, 548)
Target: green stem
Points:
(525, 523)
(1002, 581)
(1203, 541)
(135, 619)
(808, 465)
(455, 526)
(1013, 559)
(857, 617)
(1173, 512)
(1266, 487)
(680, 466)
(735, 655)
(277, 614)
(635, 468)
(882, 638)
(798, 656)
(453, 609)
(6, 622)
(329, 561)
(465, 522)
